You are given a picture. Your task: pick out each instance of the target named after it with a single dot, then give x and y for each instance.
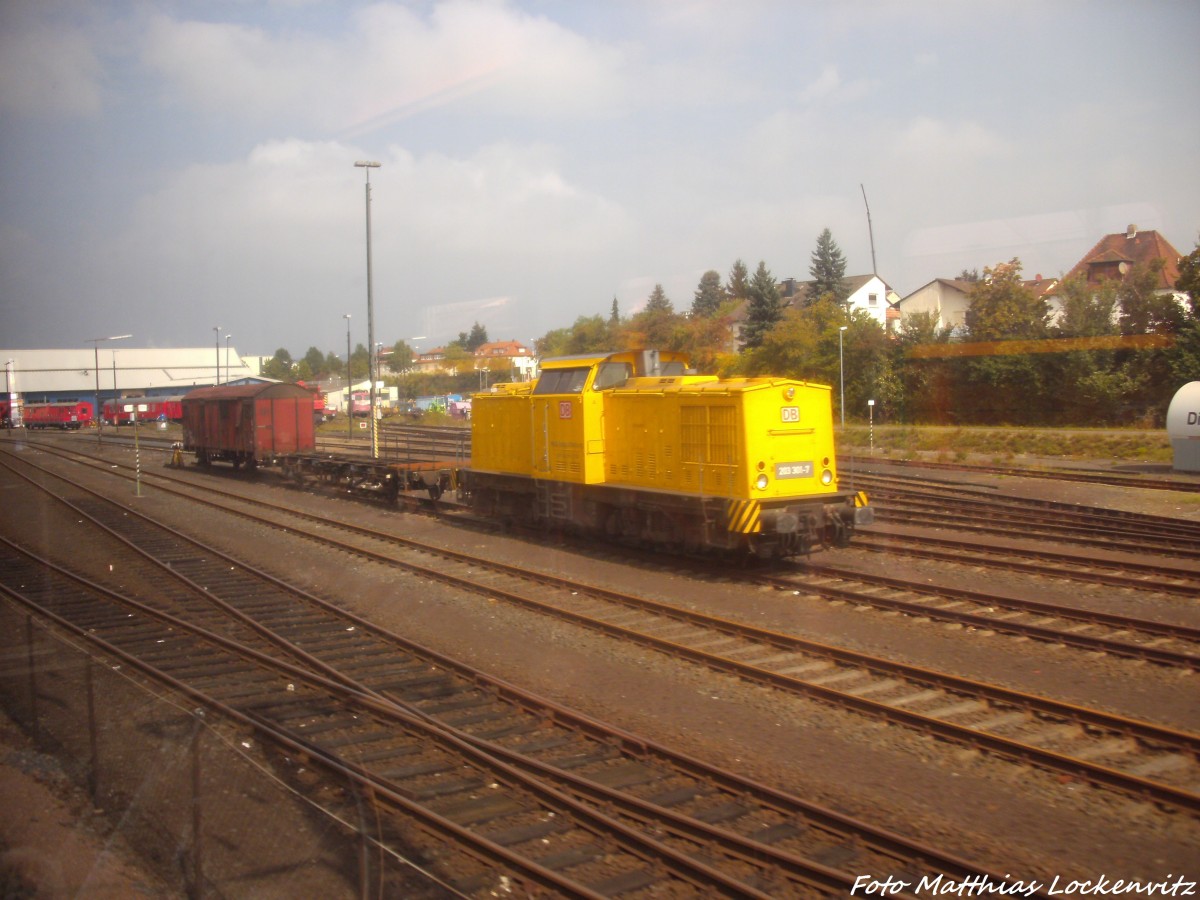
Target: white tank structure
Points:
(1183, 427)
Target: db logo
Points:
(564, 409)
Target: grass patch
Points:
(1008, 445)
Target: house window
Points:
(872, 299)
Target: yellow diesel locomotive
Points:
(635, 446)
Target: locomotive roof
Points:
(270, 390)
(590, 359)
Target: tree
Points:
(655, 325)
(360, 360)
(828, 270)
(739, 281)
(1145, 309)
(658, 302)
(709, 294)
(1002, 308)
(765, 308)
(315, 360)
(477, 338)
(589, 334)
(614, 317)
(280, 366)
(968, 275)
(402, 356)
(927, 383)
(1189, 279)
(1087, 311)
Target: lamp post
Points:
(227, 337)
(368, 165)
(217, 343)
(349, 386)
(8, 395)
(99, 413)
(842, 376)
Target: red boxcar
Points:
(170, 408)
(255, 424)
(69, 415)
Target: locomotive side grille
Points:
(647, 465)
(708, 434)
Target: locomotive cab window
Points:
(612, 374)
(562, 381)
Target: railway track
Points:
(1122, 572)
(1057, 473)
(376, 705)
(975, 510)
(1131, 756)
(1165, 643)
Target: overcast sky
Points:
(169, 167)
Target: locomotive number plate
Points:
(794, 470)
(790, 413)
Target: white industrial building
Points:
(108, 370)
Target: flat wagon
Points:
(248, 424)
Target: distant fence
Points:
(208, 808)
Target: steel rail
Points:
(976, 620)
(750, 850)
(1007, 748)
(836, 824)
(1065, 565)
(368, 780)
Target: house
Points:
(947, 299)
(509, 359)
(868, 293)
(1114, 257)
(433, 362)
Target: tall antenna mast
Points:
(870, 230)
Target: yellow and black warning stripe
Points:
(743, 516)
(860, 499)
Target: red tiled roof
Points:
(1128, 248)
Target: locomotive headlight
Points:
(789, 393)
(761, 481)
(826, 477)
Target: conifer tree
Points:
(765, 308)
(709, 294)
(658, 302)
(739, 282)
(828, 270)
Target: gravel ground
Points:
(1010, 819)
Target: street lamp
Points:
(842, 376)
(227, 337)
(8, 394)
(217, 342)
(95, 342)
(368, 165)
(349, 386)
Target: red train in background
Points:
(165, 408)
(70, 415)
(321, 412)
